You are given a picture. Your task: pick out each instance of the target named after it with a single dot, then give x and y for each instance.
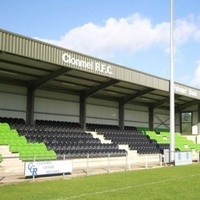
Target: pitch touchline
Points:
(125, 188)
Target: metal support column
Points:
(121, 115)
(82, 112)
(172, 109)
(30, 106)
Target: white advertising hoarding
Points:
(47, 167)
(183, 158)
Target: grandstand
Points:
(182, 143)
(59, 104)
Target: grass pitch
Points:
(167, 183)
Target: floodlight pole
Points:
(172, 105)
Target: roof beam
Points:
(186, 105)
(133, 96)
(93, 90)
(21, 65)
(159, 103)
(8, 80)
(36, 84)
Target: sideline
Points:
(126, 188)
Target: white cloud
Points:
(127, 35)
(184, 30)
(196, 80)
(197, 35)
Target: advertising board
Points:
(37, 168)
(183, 158)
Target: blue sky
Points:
(132, 33)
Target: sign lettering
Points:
(185, 91)
(88, 65)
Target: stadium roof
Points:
(35, 64)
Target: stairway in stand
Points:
(11, 164)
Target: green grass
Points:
(168, 183)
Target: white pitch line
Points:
(125, 188)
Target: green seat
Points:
(19, 144)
